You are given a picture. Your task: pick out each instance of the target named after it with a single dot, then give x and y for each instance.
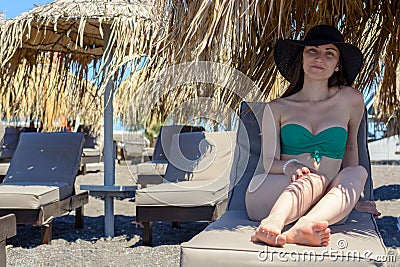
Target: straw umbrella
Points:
(71, 35)
(242, 33)
(78, 33)
(44, 103)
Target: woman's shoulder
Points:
(350, 91)
(351, 96)
(276, 104)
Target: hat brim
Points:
(286, 52)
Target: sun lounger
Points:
(92, 148)
(130, 145)
(152, 172)
(226, 242)
(198, 179)
(8, 228)
(39, 184)
(9, 142)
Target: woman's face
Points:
(320, 62)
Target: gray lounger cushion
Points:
(226, 242)
(42, 171)
(9, 142)
(202, 178)
(158, 164)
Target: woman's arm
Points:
(270, 138)
(351, 152)
(355, 102)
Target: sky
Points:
(13, 8)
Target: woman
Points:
(315, 179)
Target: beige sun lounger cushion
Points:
(183, 194)
(41, 174)
(226, 242)
(197, 176)
(91, 152)
(28, 196)
(153, 167)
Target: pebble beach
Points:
(88, 247)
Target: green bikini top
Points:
(296, 139)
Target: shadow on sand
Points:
(388, 228)
(387, 192)
(28, 236)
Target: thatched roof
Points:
(242, 34)
(239, 34)
(187, 93)
(73, 32)
(72, 26)
(45, 101)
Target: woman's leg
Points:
(341, 197)
(293, 202)
(262, 193)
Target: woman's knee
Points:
(262, 193)
(268, 183)
(313, 180)
(358, 175)
(357, 171)
(257, 182)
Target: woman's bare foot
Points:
(269, 232)
(309, 233)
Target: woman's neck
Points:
(314, 90)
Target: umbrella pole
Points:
(109, 155)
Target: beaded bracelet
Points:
(286, 164)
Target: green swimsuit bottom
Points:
(296, 139)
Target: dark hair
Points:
(296, 71)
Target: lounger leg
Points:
(79, 217)
(176, 225)
(3, 253)
(46, 233)
(83, 170)
(147, 234)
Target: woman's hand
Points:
(296, 170)
(368, 207)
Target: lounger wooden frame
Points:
(44, 216)
(8, 228)
(148, 214)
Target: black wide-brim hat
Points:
(286, 51)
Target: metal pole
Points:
(109, 161)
